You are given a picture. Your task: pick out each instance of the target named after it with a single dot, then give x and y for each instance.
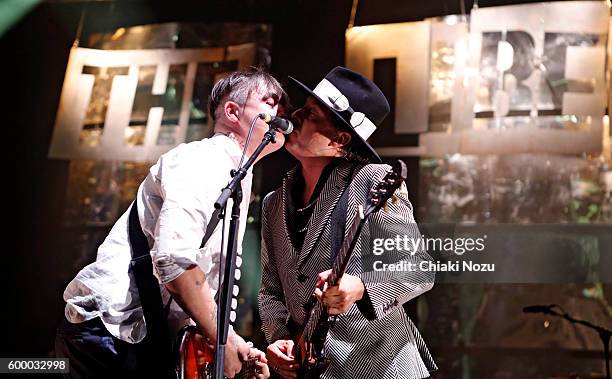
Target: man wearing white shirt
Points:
(104, 317)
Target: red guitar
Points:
(196, 360)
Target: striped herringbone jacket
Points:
(375, 338)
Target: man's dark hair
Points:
(239, 85)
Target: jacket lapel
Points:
(286, 188)
(328, 198)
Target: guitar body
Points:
(195, 359)
(308, 351)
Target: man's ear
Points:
(231, 110)
(343, 138)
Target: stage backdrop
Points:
(509, 108)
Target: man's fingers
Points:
(262, 358)
(319, 294)
(332, 299)
(279, 356)
(285, 369)
(290, 345)
(285, 357)
(285, 360)
(320, 282)
(275, 350)
(262, 370)
(323, 278)
(243, 355)
(332, 290)
(329, 295)
(258, 354)
(323, 275)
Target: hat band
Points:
(332, 96)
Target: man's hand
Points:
(261, 368)
(281, 358)
(339, 299)
(236, 352)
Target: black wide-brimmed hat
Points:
(357, 104)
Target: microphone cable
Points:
(246, 143)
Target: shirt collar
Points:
(231, 145)
(298, 185)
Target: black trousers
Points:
(94, 353)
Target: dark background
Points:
(308, 40)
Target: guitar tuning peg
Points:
(237, 274)
(232, 316)
(236, 290)
(238, 261)
(234, 303)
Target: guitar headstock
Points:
(383, 191)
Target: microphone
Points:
(281, 124)
(539, 309)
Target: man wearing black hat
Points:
(372, 337)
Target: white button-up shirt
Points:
(175, 204)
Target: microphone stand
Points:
(604, 334)
(233, 190)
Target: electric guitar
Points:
(309, 342)
(195, 359)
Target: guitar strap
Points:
(338, 217)
(155, 314)
(338, 220)
(158, 336)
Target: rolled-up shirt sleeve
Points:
(182, 221)
(179, 233)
